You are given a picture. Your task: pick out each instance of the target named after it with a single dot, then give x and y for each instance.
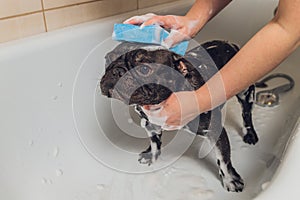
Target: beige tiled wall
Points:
(16, 7)
(22, 18)
(148, 3)
(75, 14)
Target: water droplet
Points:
(168, 172)
(60, 84)
(130, 121)
(31, 143)
(54, 98)
(55, 152)
(59, 172)
(46, 181)
(100, 186)
(265, 185)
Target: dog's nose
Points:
(106, 88)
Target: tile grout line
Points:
(44, 16)
(70, 5)
(54, 8)
(47, 9)
(21, 15)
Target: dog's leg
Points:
(246, 99)
(231, 180)
(151, 154)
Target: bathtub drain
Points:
(270, 97)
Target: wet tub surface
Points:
(59, 139)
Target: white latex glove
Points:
(182, 27)
(140, 19)
(178, 110)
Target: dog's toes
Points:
(232, 181)
(250, 137)
(148, 157)
(236, 184)
(145, 161)
(145, 158)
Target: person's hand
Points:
(182, 27)
(175, 112)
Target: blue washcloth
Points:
(153, 34)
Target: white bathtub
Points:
(50, 149)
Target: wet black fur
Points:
(139, 89)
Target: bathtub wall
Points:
(22, 18)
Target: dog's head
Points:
(148, 77)
(137, 74)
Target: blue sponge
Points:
(152, 34)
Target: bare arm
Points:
(204, 10)
(264, 52)
(261, 54)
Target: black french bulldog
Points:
(139, 76)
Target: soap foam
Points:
(172, 183)
(153, 115)
(140, 18)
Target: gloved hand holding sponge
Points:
(148, 29)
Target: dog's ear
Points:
(109, 58)
(139, 55)
(182, 68)
(179, 64)
(134, 57)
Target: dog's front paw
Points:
(250, 137)
(148, 157)
(233, 185)
(232, 182)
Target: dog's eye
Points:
(145, 70)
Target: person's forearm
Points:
(266, 50)
(203, 10)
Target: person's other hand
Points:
(175, 112)
(182, 27)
